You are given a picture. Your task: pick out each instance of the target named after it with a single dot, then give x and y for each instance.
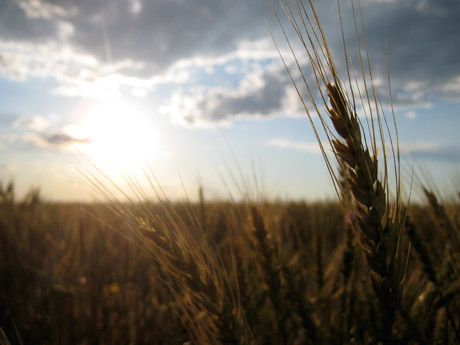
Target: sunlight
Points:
(117, 135)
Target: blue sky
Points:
(197, 90)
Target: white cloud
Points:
(411, 115)
(304, 146)
(231, 69)
(135, 6)
(139, 92)
(77, 74)
(41, 9)
(13, 66)
(34, 123)
(451, 89)
(432, 149)
(420, 147)
(23, 139)
(65, 30)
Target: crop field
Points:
(369, 267)
(245, 273)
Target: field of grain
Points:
(367, 269)
(228, 273)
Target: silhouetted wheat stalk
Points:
(378, 223)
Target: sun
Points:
(116, 134)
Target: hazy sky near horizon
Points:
(197, 90)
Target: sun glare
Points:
(115, 134)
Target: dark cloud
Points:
(21, 23)
(163, 31)
(62, 139)
(422, 36)
(52, 139)
(262, 100)
(265, 92)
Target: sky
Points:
(195, 93)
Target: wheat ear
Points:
(378, 232)
(378, 223)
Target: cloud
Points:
(431, 150)
(25, 140)
(422, 51)
(49, 138)
(34, 123)
(36, 131)
(159, 33)
(76, 74)
(103, 49)
(425, 150)
(304, 146)
(39, 9)
(59, 138)
(407, 148)
(265, 91)
(411, 115)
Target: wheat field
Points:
(369, 268)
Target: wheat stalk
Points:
(378, 224)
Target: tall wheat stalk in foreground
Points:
(378, 222)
